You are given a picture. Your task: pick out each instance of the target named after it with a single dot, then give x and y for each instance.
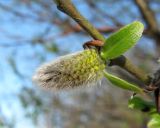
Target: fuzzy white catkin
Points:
(70, 71)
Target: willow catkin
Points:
(70, 71)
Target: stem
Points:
(127, 65)
(68, 8)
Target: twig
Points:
(147, 14)
(68, 8)
(124, 63)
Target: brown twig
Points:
(68, 8)
(148, 15)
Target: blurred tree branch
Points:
(98, 10)
(151, 21)
(107, 18)
(69, 27)
(147, 14)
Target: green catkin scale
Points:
(73, 70)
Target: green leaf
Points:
(122, 83)
(140, 104)
(122, 40)
(154, 122)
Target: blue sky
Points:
(26, 62)
(25, 57)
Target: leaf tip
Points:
(139, 25)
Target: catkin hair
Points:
(79, 69)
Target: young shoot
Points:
(70, 71)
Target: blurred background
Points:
(35, 31)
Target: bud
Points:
(70, 71)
